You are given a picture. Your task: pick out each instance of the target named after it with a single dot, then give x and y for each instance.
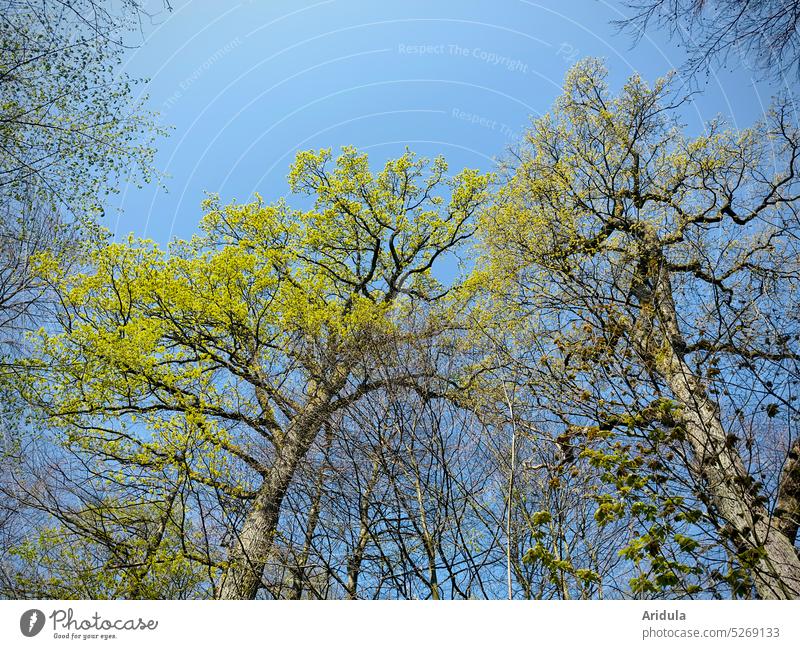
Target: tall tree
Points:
(70, 133)
(659, 273)
(216, 365)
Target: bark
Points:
(299, 584)
(787, 508)
(718, 465)
(354, 562)
(249, 553)
(357, 557)
(777, 573)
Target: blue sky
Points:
(247, 84)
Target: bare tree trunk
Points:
(354, 562)
(248, 556)
(357, 557)
(427, 537)
(510, 505)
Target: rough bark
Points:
(787, 508)
(249, 553)
(777, 573)
(718, 465)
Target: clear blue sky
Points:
(247, 84)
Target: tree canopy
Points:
(572, 378)
(660, 272)
(212, 366)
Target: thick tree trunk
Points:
(787, 509)
(776, 573)
(249, 553)
(717, 464)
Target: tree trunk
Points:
(777, 572)
(298, 584)
(775, 566)
(356, 558)
(354, 563)
(248, 556)
(787, 509)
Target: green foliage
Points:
(664, 555)
(71, 126)
(206, 369)
(61, 562)
(188, 366)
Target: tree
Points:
(25, 233)
(657, 274)
(213, 367)
(70, 133)
(713, 32)
(70, 129)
